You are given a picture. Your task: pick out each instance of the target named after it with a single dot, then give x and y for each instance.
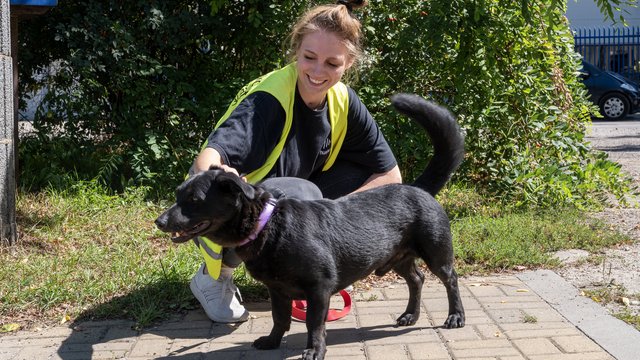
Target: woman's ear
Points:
(350, 62)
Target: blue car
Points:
(616, 95)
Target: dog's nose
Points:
(161, 222)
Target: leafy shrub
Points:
(508, 70)
(138, 85)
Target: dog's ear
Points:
(235, 185)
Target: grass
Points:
(629, 317)
(612, 293)
(526, 239)
(86, 254)
(492, 238)
(83, 254)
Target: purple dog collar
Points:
(265, 215)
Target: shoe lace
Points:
(215, 292)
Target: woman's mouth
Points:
(315, 81)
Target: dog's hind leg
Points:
(443, 269)
(281, 314)
(414, 278)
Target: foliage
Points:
(508, 70)
(135, 86)
(138, 85)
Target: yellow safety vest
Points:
(281, 84)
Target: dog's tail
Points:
(445, 134)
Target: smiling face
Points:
(322, 59)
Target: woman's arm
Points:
(241, 144)
(392, 176)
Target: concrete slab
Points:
(615, 336)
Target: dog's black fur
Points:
(312, 249)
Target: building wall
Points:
(585, 13)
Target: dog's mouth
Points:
(182, 236)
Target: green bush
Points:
(508, 70)
(138, 85)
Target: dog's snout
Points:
(161, 221)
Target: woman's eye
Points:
(333, 65)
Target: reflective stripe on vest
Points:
(212, 254)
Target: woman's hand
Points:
(210, 157)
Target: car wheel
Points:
(614, 106)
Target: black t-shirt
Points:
(253, 129)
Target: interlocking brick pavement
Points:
(505, 320)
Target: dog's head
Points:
(205, 202)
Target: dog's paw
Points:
(266, 343)
(407, 319)
(311, 354)
(454, 321)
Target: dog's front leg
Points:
(281, 314)
(317, 308)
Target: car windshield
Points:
(590, 68)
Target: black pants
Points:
(341, 179)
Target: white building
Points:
(585, 14)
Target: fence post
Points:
(8, 231)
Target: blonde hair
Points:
(333, 18)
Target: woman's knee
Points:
(290, 187)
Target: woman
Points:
(299, 122)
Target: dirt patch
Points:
(612, 276)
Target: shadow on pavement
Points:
(192, 335)
(90, 336)
(294, 344)
(620, 148)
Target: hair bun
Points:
(353, 4)
(357, 4)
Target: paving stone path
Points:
(508, 317)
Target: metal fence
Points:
(613, 49)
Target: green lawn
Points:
(83, 253)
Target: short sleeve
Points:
(364, 143)
(251, 132)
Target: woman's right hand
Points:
(210, 157)
(229, 169)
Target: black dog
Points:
(312, 249)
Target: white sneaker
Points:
(217, 297)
